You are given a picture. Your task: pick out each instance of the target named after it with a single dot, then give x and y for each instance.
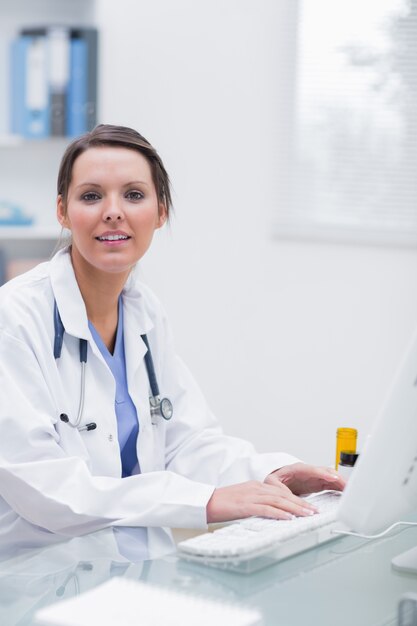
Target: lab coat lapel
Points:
(67, 295)
(137, 323)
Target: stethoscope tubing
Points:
(159, 406)
(150, 368)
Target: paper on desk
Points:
(128, 602)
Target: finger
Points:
(327, 475)
(274, 511)
(330, 473)
(301, 503)
(298, 504)
(295, 506)
(339, 483)
(333, 478)
(319, 472)
(266, 510)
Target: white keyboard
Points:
(255, 537)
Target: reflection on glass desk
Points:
(349, 581)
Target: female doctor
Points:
(86, 441)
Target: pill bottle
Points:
(345, 440)
(347, 463)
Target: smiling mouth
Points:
(112, 238)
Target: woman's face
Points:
(112, 209)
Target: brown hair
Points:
(109, 135)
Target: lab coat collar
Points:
(71, 304)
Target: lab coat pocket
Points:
(151, 447)
(71, 441)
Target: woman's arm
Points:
(275, 497)
(55, 489)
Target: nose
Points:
(113, 213)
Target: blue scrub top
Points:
(126, 414)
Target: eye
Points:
(90, 196)
(134, 195)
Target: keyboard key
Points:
(248, 538)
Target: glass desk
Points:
(346, 582)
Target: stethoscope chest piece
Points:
(161, 407)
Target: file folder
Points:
(59, 73)
(29, 87)
(77, 90)
(89, 39)
(18, 54)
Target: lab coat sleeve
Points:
(49, 488)
(196, 446)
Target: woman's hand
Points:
(268, 499)
(302, 479)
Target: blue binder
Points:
(59, 50)
(77, 89)
(32, 97)
(89, 39)
(18, 54)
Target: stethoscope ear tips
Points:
(91, 426)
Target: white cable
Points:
(381, 534)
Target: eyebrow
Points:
(129, 184)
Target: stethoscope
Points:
(159, 407)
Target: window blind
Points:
(353, 171)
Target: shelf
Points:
(16, 141)
(48, 233)
(10, 141)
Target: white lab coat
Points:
(55, 479)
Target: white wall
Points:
(288, 340)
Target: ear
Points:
(162, 215)
(61, 213)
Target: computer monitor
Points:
(383, 486)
